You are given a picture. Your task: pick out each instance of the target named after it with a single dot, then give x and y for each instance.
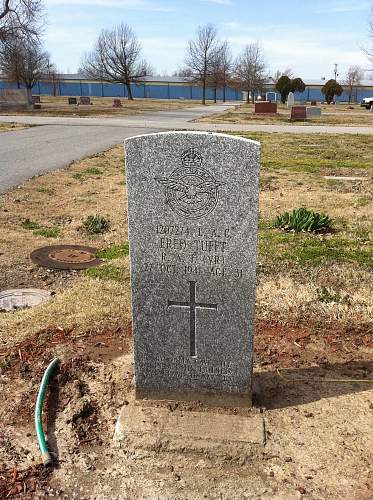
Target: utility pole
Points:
(335, 71)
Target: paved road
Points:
(54, 142)
(32, 151)
(183, 120)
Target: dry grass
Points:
(6, 127)
(331, 115)
(63, 199)
(331, 294)
(58, 106)
(301, 277)
(89, 306)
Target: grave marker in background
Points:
(117, 103)
(291, 100)
(13, 98)
(72, 100)
(299, 113)
(266, 107)
(85, 100)
(313, 112)
(193, 214)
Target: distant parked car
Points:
(367, 102)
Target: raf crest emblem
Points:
(191, 191)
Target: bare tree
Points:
(23, 61)
(250, 70)
(220, 69)
(278, 74)
(53, 77)
(201, 54)
(21, 18)
(370, 52)
(183, 73)
(116, 57)
(353, 80)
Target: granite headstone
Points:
(85, 100)
(290, 101)
(72, 100)
(14, 99)
(266, 107)
(193, 215)
(299, 113)
(313, 112)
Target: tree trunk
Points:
(29, 94)
(215, 94)
(224, 96)
(129, 92)
(204, 92)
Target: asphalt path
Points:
(35, 150)
(54, 142)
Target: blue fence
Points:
(140, 90)
(164, 90)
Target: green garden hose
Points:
(47, 459)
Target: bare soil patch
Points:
(317, 432)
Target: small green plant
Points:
(304, 220)
(45, 190)
(329, 296)
(30, 224)
(81, 176)
(92, 171)
(96, 224)
(49, 232)
(107, 272)
(78, 176)
(363, 201)
(114, 252)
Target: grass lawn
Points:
(341, 114)
(301, 277)
(58, 106)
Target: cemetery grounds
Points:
(101, 106)
(340, 114)
(313, 331)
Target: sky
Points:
(309, 36)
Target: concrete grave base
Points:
(225, 400)
(154, 428)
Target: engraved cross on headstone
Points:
(192, 305)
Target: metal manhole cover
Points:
(65, 257)
(12, 300)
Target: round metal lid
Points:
(65, 257)
(20, 298)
